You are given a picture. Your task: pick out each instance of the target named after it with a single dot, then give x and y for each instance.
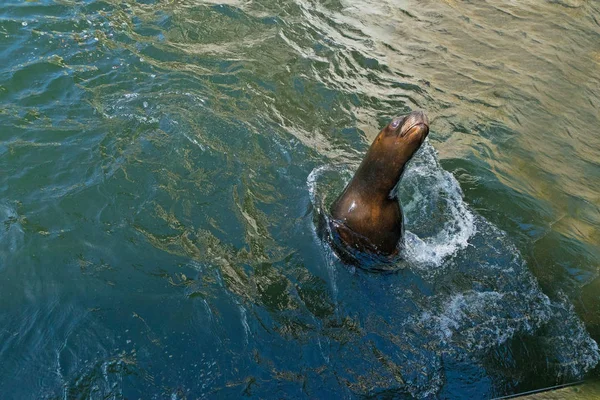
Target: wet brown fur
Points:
(367, 215)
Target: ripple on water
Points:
(153, 164)
(479, 296)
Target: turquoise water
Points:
(163, 163)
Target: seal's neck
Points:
(377, 176)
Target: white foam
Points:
(572, 349)
(311, 183)
(11, 234)
(431, 185)
(481, 320)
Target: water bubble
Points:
(24, 23)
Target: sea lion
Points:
(367, 215)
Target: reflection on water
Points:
(157, 233)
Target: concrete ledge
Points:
(574, 391)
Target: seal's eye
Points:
(396, 123)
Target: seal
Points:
(367, 215)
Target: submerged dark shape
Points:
(367, 215)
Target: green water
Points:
(162, 164)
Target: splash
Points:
(467, 292)
(438, 221)
(11, 232)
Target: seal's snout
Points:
(415, 123)
(419, 117)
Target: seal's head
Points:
(394, 147)
(406, 133)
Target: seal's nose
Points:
(418, 117)
(413, 120)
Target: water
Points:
(162, 163)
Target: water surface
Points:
(162, 164)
